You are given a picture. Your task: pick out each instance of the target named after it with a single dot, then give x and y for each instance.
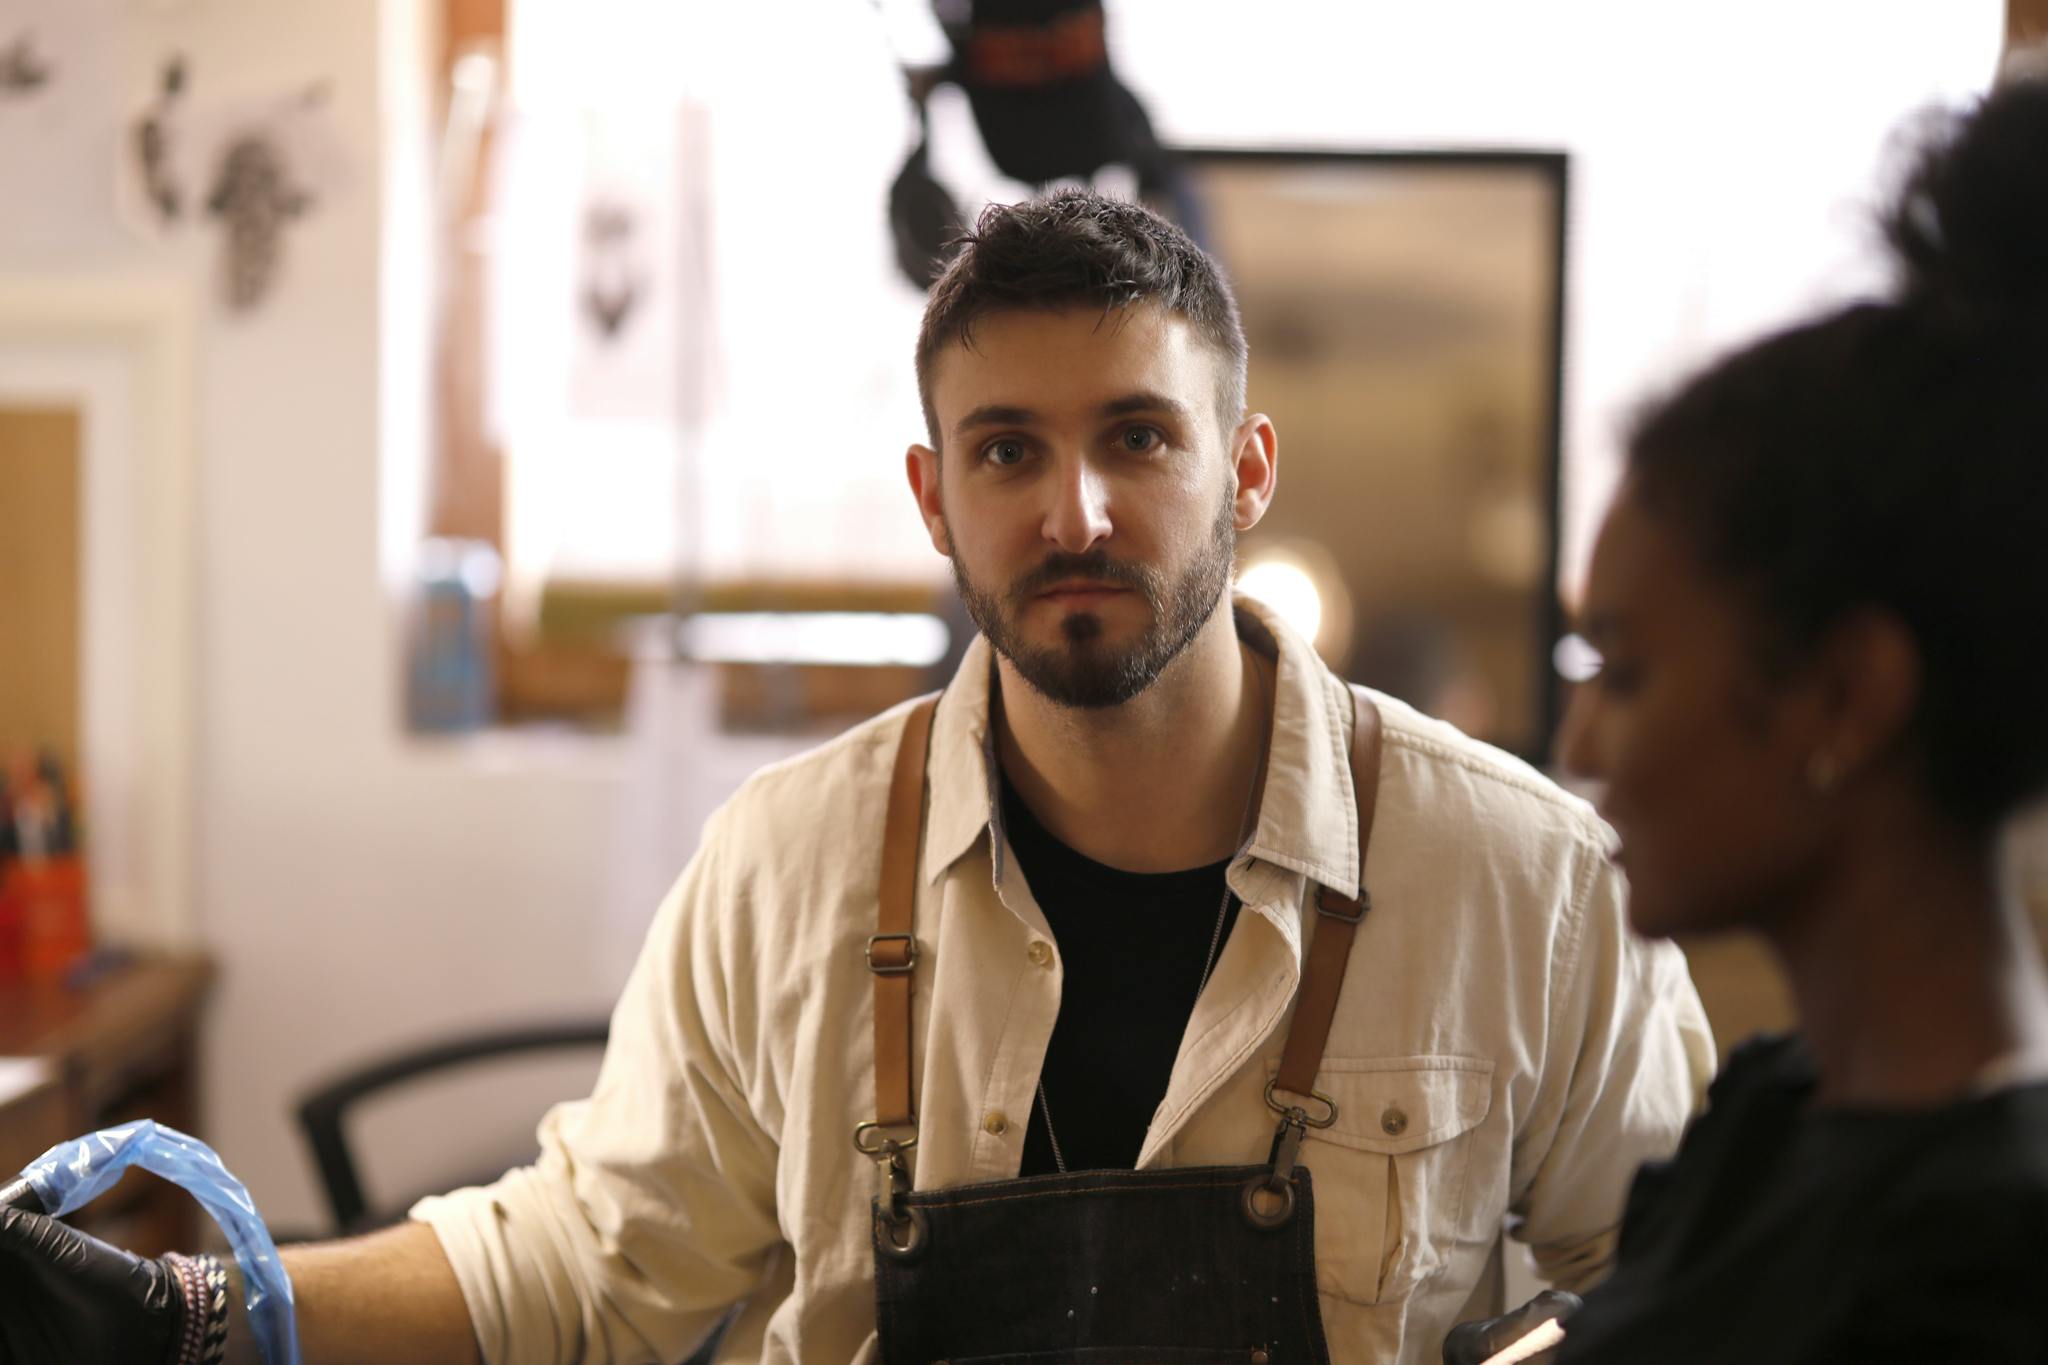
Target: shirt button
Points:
(1040, 952)
(996, 1124)
(1393, 1122)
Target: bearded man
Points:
(1151, 994)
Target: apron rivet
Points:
(1393, 1122)
(996, 1124)
(1040, 952)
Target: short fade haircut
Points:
(1072, 248)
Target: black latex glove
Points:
(66, 1297)
(1473, 1342)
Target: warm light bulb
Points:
(1288, 589)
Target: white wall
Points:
(361, 889)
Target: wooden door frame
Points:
(147, 323)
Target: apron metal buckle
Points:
(1290, 1113)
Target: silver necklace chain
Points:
(1244, 834)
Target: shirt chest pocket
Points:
(1391, 1171)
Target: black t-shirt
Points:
(1779, 1233)
(1132, 945)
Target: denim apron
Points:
(1194, 1265)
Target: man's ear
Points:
(921, 464)
(1255, 462)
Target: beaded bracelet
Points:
(192, 1331)
(203, 1281)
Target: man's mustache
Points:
(1091, 566)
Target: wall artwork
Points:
(244, 171)
(155, 143)
(628, 257)
(598, 266)
(24, 68)
(255, 194)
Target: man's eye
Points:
(1004, 453)
(1138, 440)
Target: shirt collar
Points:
(962, 771)
(1308, 821)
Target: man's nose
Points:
(1078, 515)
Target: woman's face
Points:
(1704, 761)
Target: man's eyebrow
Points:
(995, 415)
(1009, 415)
(1145, 402)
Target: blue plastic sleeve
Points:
(72, 1174)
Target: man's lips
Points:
(1081, 592)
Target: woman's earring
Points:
(1823, 773)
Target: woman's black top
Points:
(1781, 1233)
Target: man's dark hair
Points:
(1894, 454)
(1071, 248)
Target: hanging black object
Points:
(923, 219)
(1037, 75)
(1049, 107)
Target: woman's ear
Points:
(1869, 675)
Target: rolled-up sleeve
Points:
(651, 1208)
(1627, 1060)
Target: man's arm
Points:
(1627, 1059)
(389, 1297)
(650, 1212)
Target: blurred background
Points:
(445, 445)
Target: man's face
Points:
(1085, 493)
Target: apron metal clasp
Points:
(1268, 1197)
(901, 1232)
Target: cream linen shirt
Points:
(1504, 1053)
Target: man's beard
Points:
(1084, 671)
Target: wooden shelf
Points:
(120, 1046)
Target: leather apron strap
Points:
(1329, 952)
(892, 950)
